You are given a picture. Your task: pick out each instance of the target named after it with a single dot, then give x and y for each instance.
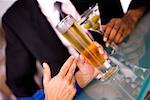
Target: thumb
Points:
(81, 62)
(46, 74)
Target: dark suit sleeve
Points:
(20, 64)
(139, 3)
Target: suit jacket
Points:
(30, 37)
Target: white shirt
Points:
(53, 17)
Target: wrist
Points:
(79, 79)
(82, 79)
(135, 14)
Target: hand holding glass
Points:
(74, 33)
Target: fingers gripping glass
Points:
(75, 34)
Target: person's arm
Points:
(139, 3)
(136, 9)
(20, 64)
(62, 86)
(119, 28)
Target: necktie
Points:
(58, 6)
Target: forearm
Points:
(135, 14)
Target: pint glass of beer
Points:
(79, 39)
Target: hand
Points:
(119, 28)
(61, 87)
(86, 71)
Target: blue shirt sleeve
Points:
(39, 95)
(79, 89)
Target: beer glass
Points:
(76, 35)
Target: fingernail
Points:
(97, 44)
(72, 57)
(107, 44)
(81, 57)
(104, 39)
(44, 65)
(101, 51)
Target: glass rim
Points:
(65, 24)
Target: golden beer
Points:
(74, 33)
(84, 45)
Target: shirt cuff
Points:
(78, 88)
(39, 95)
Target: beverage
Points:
(74, 33)
(84, 45)
(91, 20)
